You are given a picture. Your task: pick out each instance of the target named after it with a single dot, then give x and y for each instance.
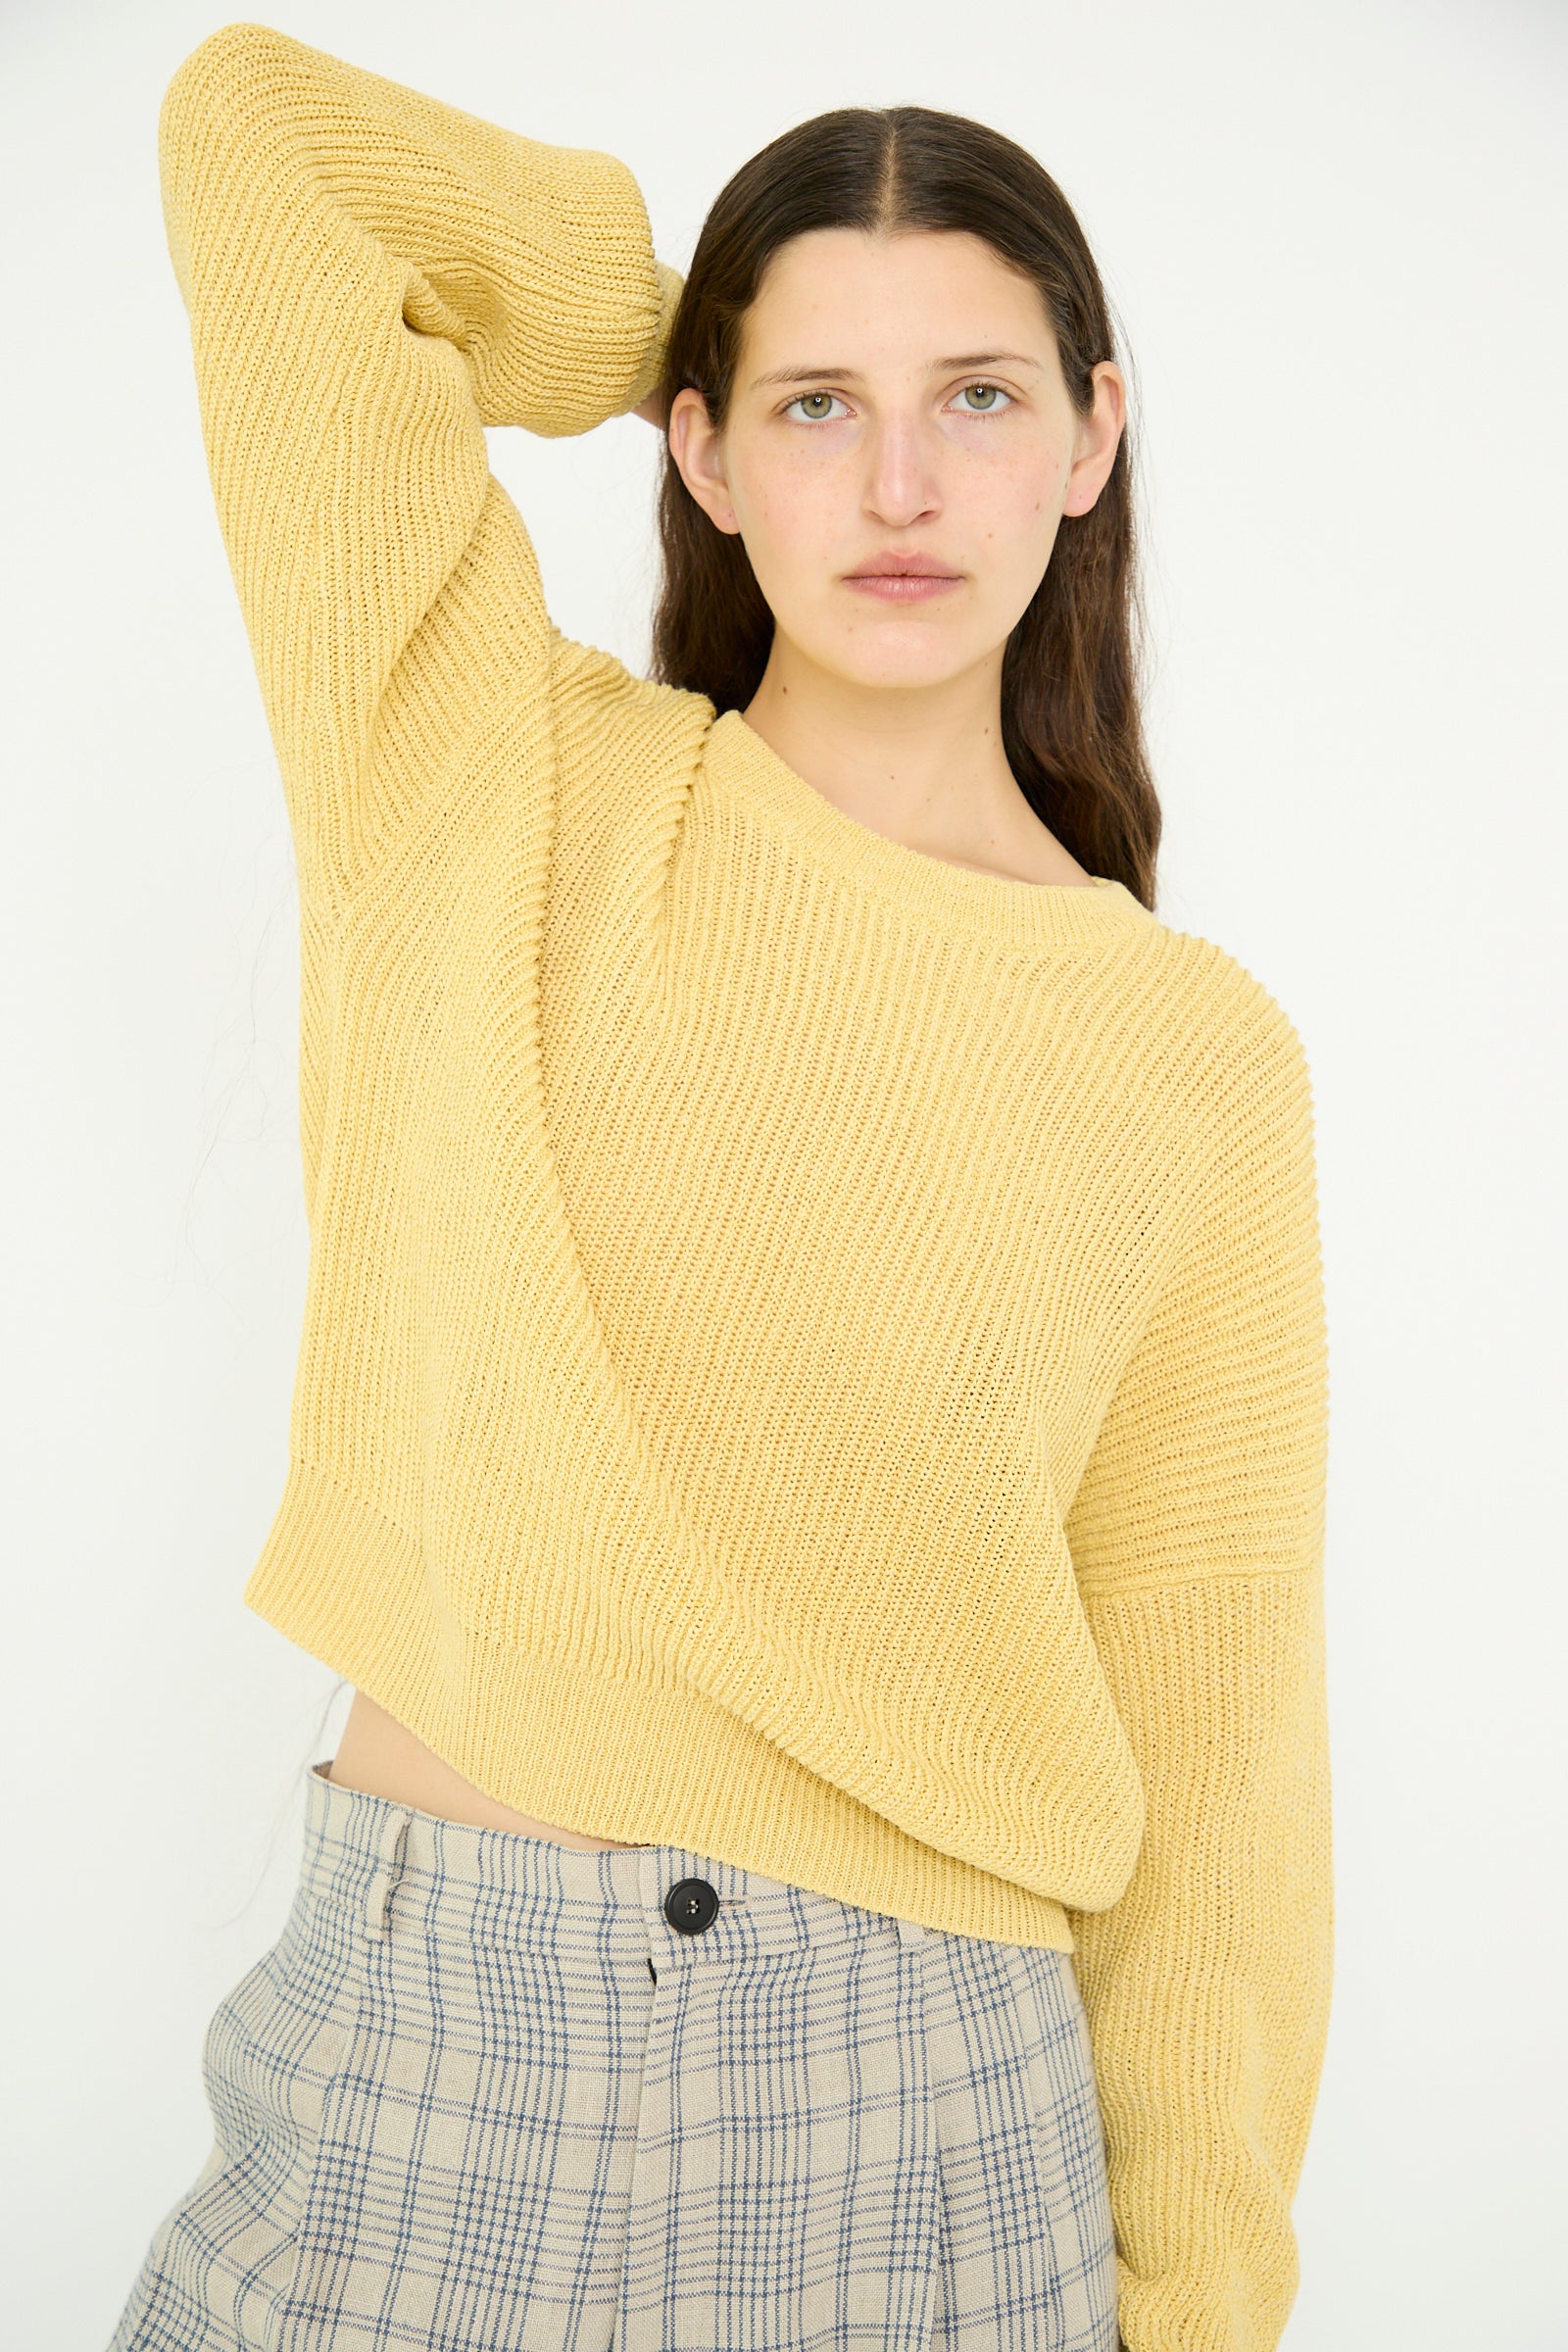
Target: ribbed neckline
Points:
(1022, 913)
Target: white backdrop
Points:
(1335, 241)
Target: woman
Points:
(809, 1435)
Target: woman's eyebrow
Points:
(962, 359)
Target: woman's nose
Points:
(901, 483)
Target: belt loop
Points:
(389, 1849)
(909, 1930)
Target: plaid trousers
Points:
(492, 2093)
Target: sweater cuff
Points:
(671, 284)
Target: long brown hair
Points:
(1072, 725)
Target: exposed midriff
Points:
(377, 1754)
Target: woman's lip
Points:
(903, 587)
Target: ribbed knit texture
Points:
(812, 1352)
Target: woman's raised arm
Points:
(372, 278)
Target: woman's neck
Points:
(925, 767)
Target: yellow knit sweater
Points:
(812, 1354)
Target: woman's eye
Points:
(987, 407)
(817, 405)
(806, 400)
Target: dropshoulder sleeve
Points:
(371, 278)
(1197, 1535)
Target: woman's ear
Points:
(1097, 439)
(698, 452)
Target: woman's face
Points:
(896, 395)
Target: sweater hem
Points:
(583, 1747)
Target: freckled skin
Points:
(893, 709)
(904, 461)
